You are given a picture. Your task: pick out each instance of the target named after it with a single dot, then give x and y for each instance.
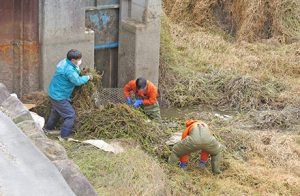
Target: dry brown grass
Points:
(241, 178)
(244, 19)
(275, 148)
(205, 68)
(279, 119)
(192, 11)
(130, 173)
(256, 163)
(42, 102)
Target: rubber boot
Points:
(173, 159)
(216, 162)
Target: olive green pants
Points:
(152, 111)
(199, 139)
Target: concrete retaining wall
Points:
(62, 27)
(139, 40)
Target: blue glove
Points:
(183, 165)
(137, 103)
(129, 101)
(202, 164)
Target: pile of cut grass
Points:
(123, 121)
(83, 98)
(42, 102)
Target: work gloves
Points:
(129, 101)
(202, 164)
(137, 103)
(182, 165)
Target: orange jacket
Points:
(149, 97)
(190, 124)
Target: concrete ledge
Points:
(31, 129)
(25, 115)
(4, 94)
(49, 148)
(132, 25)
(14, 107)
(24, 169)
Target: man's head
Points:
(141, 83)
(74, 56)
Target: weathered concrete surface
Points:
(57, 154)
(50, 148)
(24, 169)
(139, 40)
(15, 109)
(4, 93)
(62, 27)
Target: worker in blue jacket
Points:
(66, 77)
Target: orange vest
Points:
(149, 97)
(190, 124)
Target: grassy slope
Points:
(130, 173)
(188, 51)
(255, 163)
(206, 65)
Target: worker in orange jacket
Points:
(145, 96)
(197, 137)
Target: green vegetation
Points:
(129, 173)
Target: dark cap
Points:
(140, 83)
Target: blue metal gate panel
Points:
(103, 19)
(105, 23)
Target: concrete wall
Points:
(139, 40)
(137, 10)
(62, 27)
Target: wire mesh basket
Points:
(111, 95)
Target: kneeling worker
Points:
(197, 137)
(145, 96)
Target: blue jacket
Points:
(65, 78)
